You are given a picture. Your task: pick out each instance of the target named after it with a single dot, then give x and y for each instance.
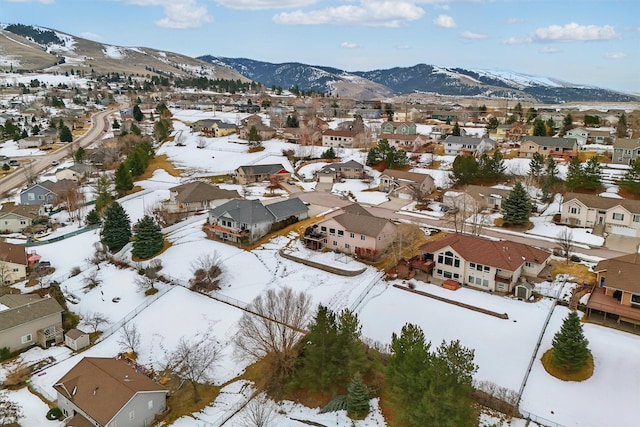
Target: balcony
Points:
(231, 231)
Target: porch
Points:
(608, 311)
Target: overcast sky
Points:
(590, 42)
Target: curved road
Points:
(18, 178)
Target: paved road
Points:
(18, 178)
(329, 200)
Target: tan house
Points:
(475, 198)
(27, 320)
(339, 138)
(76, 172)
(13, 263)
(259, 173)
(406, 185)
(562, 148)
(105, 392)
(407, 142)
(197, 195)
(334, 172)
(603, 214)
(15, 218)
(616, 294)
(354, 231)
(490, 265)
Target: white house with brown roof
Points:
(406, 185)
(27, 320)
(339, 138)
(613, 216)
(257, 173)
(353, 231)
(564, 148)
(481, 263)
(15, 218)
(197, 195)
(338, 170)
(106, 392)
(13, 263)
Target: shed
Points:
(523, 290)
(76, 339)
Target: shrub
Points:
(54, 414)
(69, 320)
(5, 353)
(75, 271)
(498, 222)
(575, 258)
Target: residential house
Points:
(445, 116)
(410, 142)
(490, 265)
(440, 131)
(398, 128)
(339, 138)
(467, 145)
(563, 148)
(626, 151)
(500, 133)
(46, 192)
(475, 198)
(75, 172)
(28, 319)
(602, 214)
(105, 392)
(76, 339)
(616, 295)
(265, 132)
(258, 173)
(406, 185)
(197, 195)
(15, 218)
(34, 141)
(246, 221)
(353, 231)
(334, 172)
(13, 263)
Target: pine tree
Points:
(358, 395)
(78, 156)
(621, 127)
(517, 206)
(135, 163)
(631, 179)
(536, 165)
(65, 134)
(575, 175)
(539, 128)
(148, 238)
(592, 174)
(465, 170)
(254, 136)
(103, 192)
(570, 347)
(329, 154)
(93, 217)
(137, 113)
(116, 230)
(456, 129)
(123, 179)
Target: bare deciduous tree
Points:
(10, 411)
(95, 319)
(193, 360)
(130, 338)
(99, 255)
(259, 412)
(564, 239)
(206, 271)
(147, 280)
(408, 238)
(91, 280)
(275, 328)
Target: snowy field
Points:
(503, 348)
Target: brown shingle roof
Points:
(27, 211)
(414, 177)
(622, 272)
(595, 201)
(13, 253)
(502, 254)
(102, 386)
(201, 192)
(26, 308)
(356, 219)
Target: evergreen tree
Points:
(592, 174)
(292, 122)
(135, 164)
(116, 230)
(456, 129)
(24, 134)
(493, 123)
(491, 168)
(550, 125)
(536, 165)
(137, 113)
(389, 154)
(103, 192)
(93, 217)
(575, 175)
(567, 123)
(254, 137)
(517, 110)
(65, 134)
(532, 113)
(115, 124)
(464, 170)
(358, 395)
(621, 128)
(631, 179)
(570, 347)
(517, 206)
(539, 128)
(123, 179)
(329, 154)
(78, 156)
(148, 238)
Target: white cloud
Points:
(347, 45)
(385, 13)
(514, 20)
(263, 4)
(575, 32)
(91, 36)
(517, 40)
(615, 55)
(444, 21)
(548, 49)
(473, 36)
(179, 14)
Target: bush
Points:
(54, 414)
(5, 353)
(75, 271)
(498, 222)
(575, 258)
(69, 320)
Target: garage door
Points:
(404, 196)
(326, 178)
(623, 231)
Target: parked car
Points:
(14, 163)
(55, 163)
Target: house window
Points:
(335, 243)
(470, 279)
(485, 282)
(448, 258)
(528, 264)
(323, 229)
(447, 274)
(635, 300)
(574, 210)
(347, 246)
(150, 405)
(341, 233)
(41, 197)
(486, 268)
(472, 265)
(617, 216)
(31, 196)
(26, 339)
(439, 272)
(352, 235)
(362, 237)
(636, 217)
(332, 231)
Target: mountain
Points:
(421, 78)
(29, 48)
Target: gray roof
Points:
(198, 191)
(74, 334)
(287, 208)
(24, 310)
(411, 177)
(549, 141)
(468, 140)
(478, 191)
(243, 211)
(367, 225)
(261, 169)
(626, 143)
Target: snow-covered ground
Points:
(503, 348)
